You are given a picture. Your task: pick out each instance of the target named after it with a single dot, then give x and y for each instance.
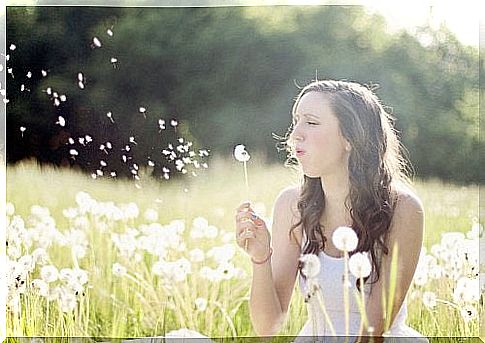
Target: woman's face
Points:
(318, 142)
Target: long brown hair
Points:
(375, 165)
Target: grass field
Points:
(137, 297)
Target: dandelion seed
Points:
(113, 60)
(73, 152)
(63, 97)
(88, 139)
(44, 73)
(49, 273)
(161, 124)
(205, 165)
(151, 163)
(6, 101)
(10, 71)
(109, 32)
(41, 287)
(22, 87)
(96, 42)
(22, 130)
(1, 67)
(108, 145)
(345, 239)
(127, 148)
(70, 140)
(113, 174)
(102, 163)
(142, 109)
(94, 176)
(12, 47)
(132, 140)
(80, 84)
(61, 121)
(135, 166)
(103, 148)
(123, 157)
(81, 140)
(174, 123)
(311, 265)
(29, 74)
(48, 90)
(165, 170)
(99, 172)
(110, 116)
(241, 154)
(56, 102)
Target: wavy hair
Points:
(375, 165)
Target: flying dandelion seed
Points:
(80, 85)
(44, 73)
(61, 121)
(22, 130)
(7, 57)
(135, 166)
(94, 176)
(73, 152)
(110, 116)
(123, 157)
(63, 97)
(80, 76)
(48, 91)
(127, 148)
(103, 163)
(1, 67)
(70, 140)
(88, 139)
(96, 42)
(6, 101)
(108, 145)
(174, 123)
(12, 47)
(56, 102)
(143, 110)
(109, 32)
(10, 71)
(113, 174)
(22, 87)
(99, 172)
(132, 140)
(161, 124)
(29, 74)
(114, 61)
(81, 140)
(151, 163)
(103, 148)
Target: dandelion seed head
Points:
(345, 239)
(311, 265)
(359, 265)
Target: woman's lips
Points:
(300, 152)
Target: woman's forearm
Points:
(264, 305)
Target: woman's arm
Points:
(273, 281)
(407, 232)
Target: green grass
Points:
(214, 195)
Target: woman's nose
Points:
(296, 134)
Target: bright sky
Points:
(460, 16)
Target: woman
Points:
(353, 175)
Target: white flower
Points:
(223, 253)
(429, 299)
(420, 278)
(469, 312)
(151, 215)
(345, 239)
(201, 304)
(467, 290)
(67, 301)
(359, 265)
(450, 240)
(27, 263)
(196, 255)
(41, 287)
(40, 256)
(311, 265)
(241, 154)
(118, 270)
(225, 271)
(131, 210)
(49, 273)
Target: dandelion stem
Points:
(325, 314)
(346, 294)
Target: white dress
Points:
(330, 280)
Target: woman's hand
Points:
(253, 229)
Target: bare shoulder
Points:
(408, 214)
(286, 210)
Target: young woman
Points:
(353, 175)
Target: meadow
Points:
(104, 258)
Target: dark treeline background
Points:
(228, 75)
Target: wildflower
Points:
(196, 255)
(311, 265)
(223, 253)
(469, 312)
(201, 304)
(118, 270)
(241, 154)
(429, 299)
(49, 273)
(359, 265)
(467, 290)
(345, 239)
(41, 287)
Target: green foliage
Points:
(227, 74)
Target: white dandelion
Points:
(311, 265)
(345, 239)
(359, 265)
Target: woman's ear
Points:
(347, 146)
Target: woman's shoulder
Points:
(408, 213)
(407, 201)
(287, 199)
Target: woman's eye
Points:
(311, 123)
